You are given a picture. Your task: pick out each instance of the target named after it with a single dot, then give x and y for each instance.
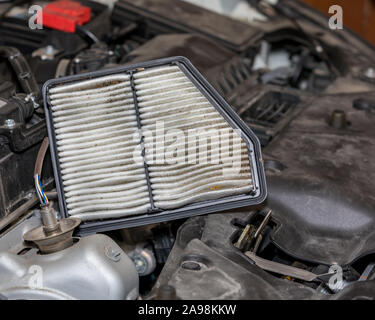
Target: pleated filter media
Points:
(132, 143)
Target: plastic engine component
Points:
(147, 143)
(64, 15)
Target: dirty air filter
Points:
(148, 143)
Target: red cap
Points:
(64, 15)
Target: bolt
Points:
(140, 264)
(29, 195)
(113, 254)
(370, 73)
(144, 261)
(49, 50)
(319, 49)
(9, 123)
(338, 119)
(77, 60)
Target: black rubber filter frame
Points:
(155, 215)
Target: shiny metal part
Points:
(53, 235)
(252, 237)
(282, 269)
(245, 237)
(370, 73)
(144, 261)
(275, 267)
(9, 123)
(46, 53)
(81, 271)
(263, 224)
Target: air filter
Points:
(148, 143)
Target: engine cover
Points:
(108, 272)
